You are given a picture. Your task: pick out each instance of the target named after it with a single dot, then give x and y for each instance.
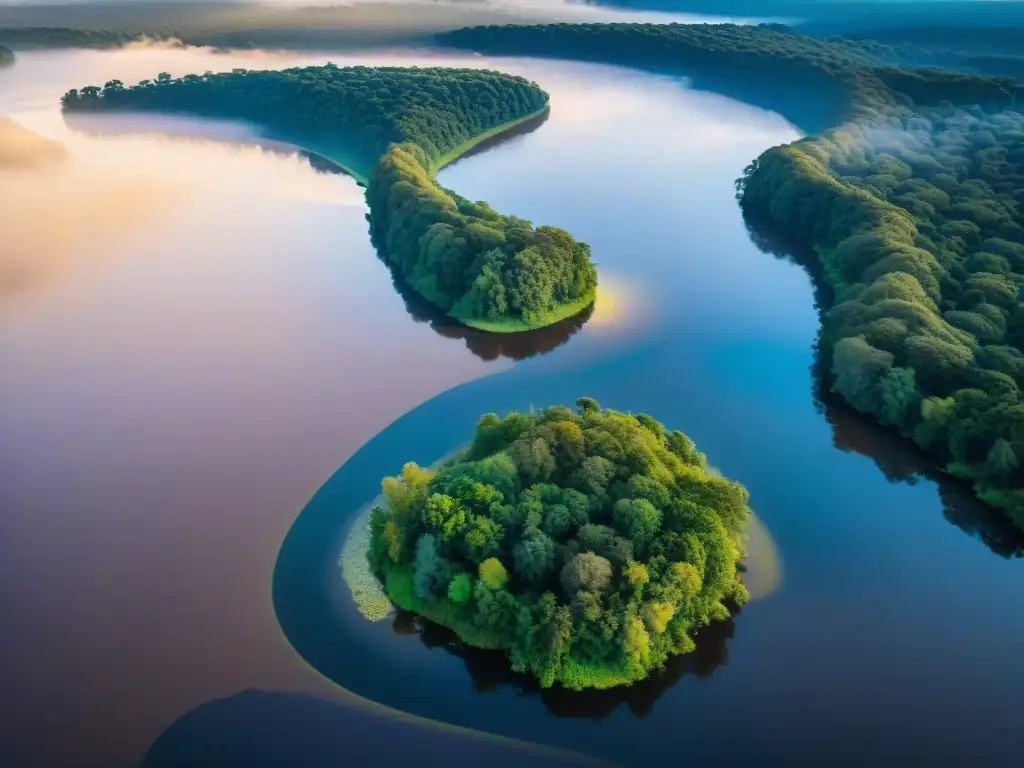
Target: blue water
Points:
(894, 633)
(218, 338)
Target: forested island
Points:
(912, 200)
(393, 128)
(586, 544)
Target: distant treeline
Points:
(62, 37)
(396, 126)
(845, 78)
(915, 208)
(984, 50)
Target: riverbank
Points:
(563, 312)
(361, 171)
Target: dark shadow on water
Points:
(489, 346)
(898, 458)
(901, 461)
(490, 671)
(270, 728)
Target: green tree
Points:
(858, 367)
(461, 588)
(638, 519)
(899, 395)
(426, 565)
(1001, 461)
(586, 572)
(534, 558)
(493, 573)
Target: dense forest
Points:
(984, 50)
(915, 208)
(397, 126)
(919, 225)
(587, 544)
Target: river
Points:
(197, 334)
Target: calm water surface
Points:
(197, 334)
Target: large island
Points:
(587, 544)
(393, 128)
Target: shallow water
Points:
(201, 334)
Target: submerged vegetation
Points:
(397, 126)
(913, 204)
(587, 544)
(367, 592)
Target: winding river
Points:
(196, 335)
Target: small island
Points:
(393, 128)
(588, 545)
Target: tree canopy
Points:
(587, 544)
(400, 125)
(916, 218)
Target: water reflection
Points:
(898, 458)
(486, 346)
(490, 346)
(490, 671)
(901, 461)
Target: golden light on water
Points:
(619, 304)
(22, 149)
(764, 563)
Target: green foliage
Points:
(6, 56)
(918, 223)
(461, 588)
(426, 566)
(397, 126)
(493, 574)
(605, 545)
(899, 396)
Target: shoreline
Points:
(563, 312)
(361, 176)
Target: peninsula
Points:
(393, 128)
